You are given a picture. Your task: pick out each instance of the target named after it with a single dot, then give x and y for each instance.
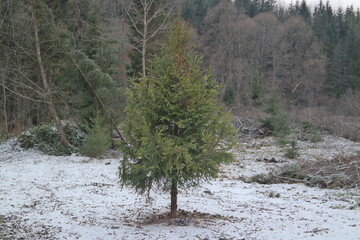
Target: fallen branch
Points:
(316, 230)
(97, 97)
(291, 179)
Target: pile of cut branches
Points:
(339, 172)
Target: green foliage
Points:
(85, 52)
(254, 7)
(277, 122)
(292, 151)
(60, 8)
(195, 10)
(275, 125)
(3, 137)
(97, 139)
(312, 133)
(304, 11)
(82, 45)
(47, 139)
(301, 9)
(90, 38)
(174, 128)
(339, 34)
(256, 90)
(229, 97)
(82, 96)
(315, 137)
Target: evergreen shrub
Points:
(47, 139)
(292, 151)
(98, 138)
(3, 137)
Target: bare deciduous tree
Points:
(301, 70)
(147, 19)
(30, 42)
(252, 57)
(48, 95)
(353, 100)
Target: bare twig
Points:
(21, 95)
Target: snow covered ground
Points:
(74, 197)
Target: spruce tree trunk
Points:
(47, 91)
(174, 192)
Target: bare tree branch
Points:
(21, 95)
(141, 16)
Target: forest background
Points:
(72, 59)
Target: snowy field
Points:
(74, 197)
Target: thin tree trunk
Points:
(4, 107)
(143, 56)
(146, 13)
(144, 40)
(47, 91)
(173, 193)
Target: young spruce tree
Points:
(176, 133)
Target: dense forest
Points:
(73, 59)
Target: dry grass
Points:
(346, 126)
(339, 172)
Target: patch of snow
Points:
(75, 197)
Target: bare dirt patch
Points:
(184, 218)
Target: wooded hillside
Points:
(72, 59)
